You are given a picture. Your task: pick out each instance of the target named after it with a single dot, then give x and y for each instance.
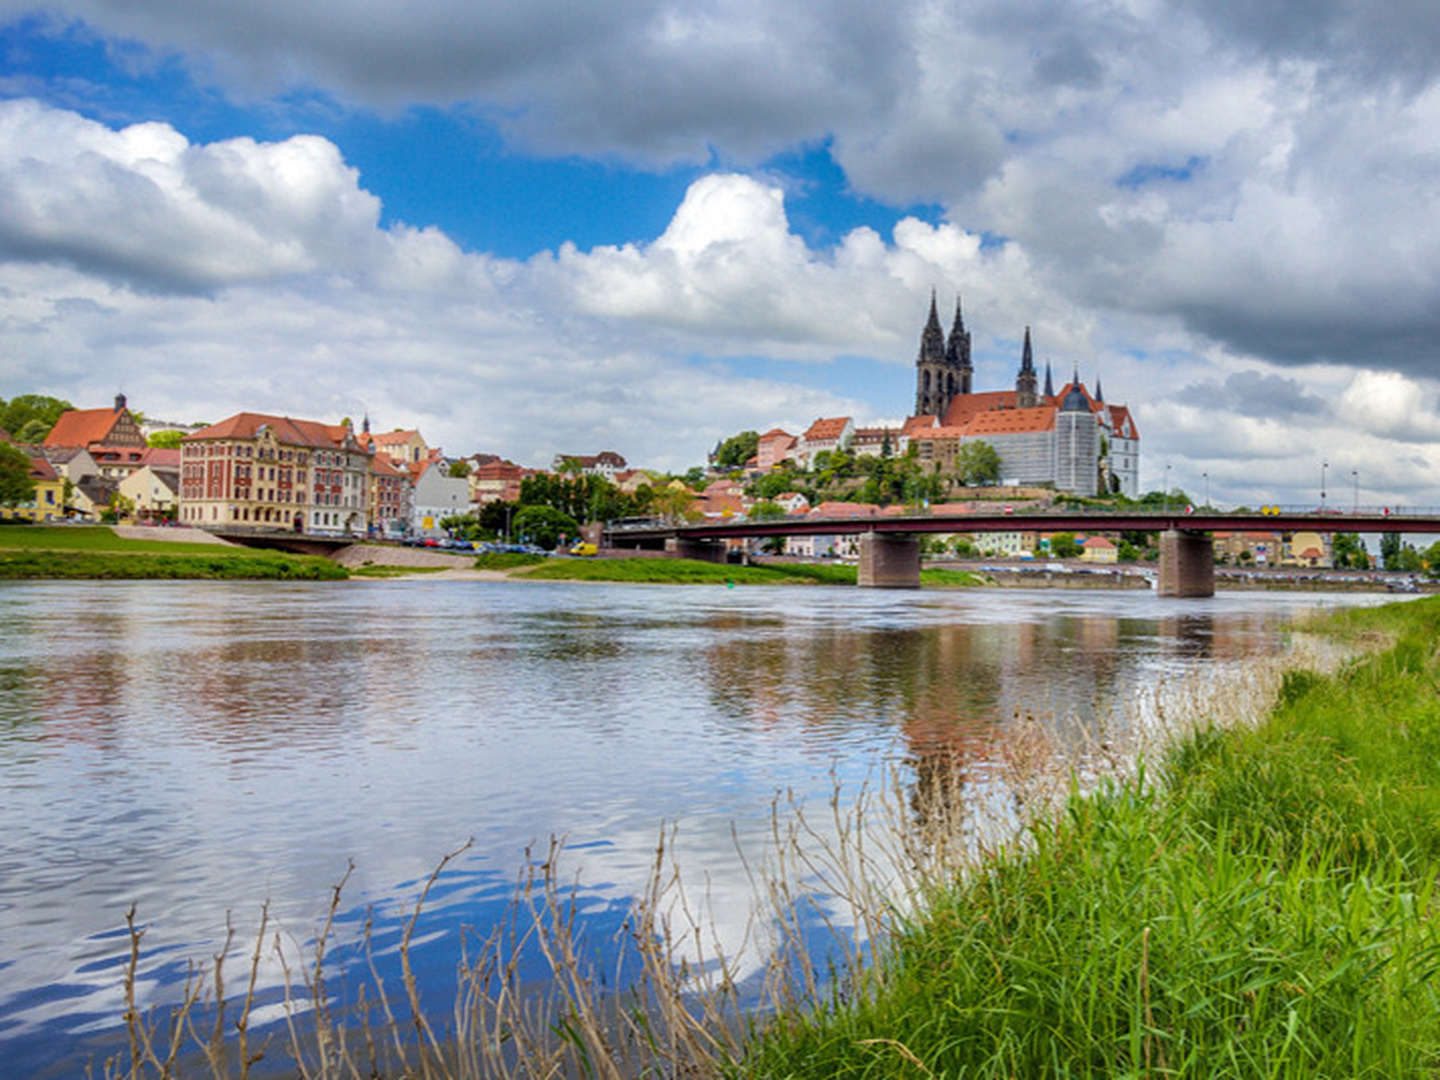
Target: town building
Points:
(403, 446)
(1069, 439)
(389, 497)
(773, 448)
(112, 438)
(438, 496)
(153, 490)
(47, 501)
(253, 470)
(607, 463)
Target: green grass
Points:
(371, 570)
(506, 560)
(1267, 909)
(949, 579)
(94, 538)
(215, 564)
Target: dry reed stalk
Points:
(853, 872)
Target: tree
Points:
(737, 450)
(544, 525)
(459, 470)
(1390, 550)
(1063, 545)
(977, 462)
(21, 410)
(1410, 560)
(765, 510)
(675, 503)
(166, 440)
(33, 433)
(1346, 550)
(16, 484)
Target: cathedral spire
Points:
(1049, 384)
(957, 351)
(1099, 393)
(1025, 396)
(931, 381)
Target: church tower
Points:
(957, 356)
(930, 367)
(1025, 396)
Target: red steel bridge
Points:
(890, 543)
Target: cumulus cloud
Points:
(1263, 177)
(254, 275)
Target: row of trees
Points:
(29, 417)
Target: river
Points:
(200, 748)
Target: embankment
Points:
(1260, 904)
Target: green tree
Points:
(16, 484)
(675, 503)
(24, 408)
(33, 433)
(765, 510)
(544, 525)
(977, 462)
(1410, 560)
(1063, 545)
(1390, 550)
(737, 450)
(1347, 551)
(459, 469)
(166, 440)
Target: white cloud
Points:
(270, 286)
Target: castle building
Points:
(1070, 439)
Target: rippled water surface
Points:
(198, 748)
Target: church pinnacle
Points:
(1049, 384)
(1025, 396)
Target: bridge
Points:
(890, 544)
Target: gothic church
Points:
(1071, 439)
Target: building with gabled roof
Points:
(92, 427)
(1070, 439)
(263, 472)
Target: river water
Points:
(201, 748)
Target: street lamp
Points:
(1166, 486)
(1207, 490)
(1323, 466)
(1355, 475)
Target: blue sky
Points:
(646, 225)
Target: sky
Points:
(645, 225)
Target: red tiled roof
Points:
(964, 406)
(826, 428)
(394, 438)
(776, 433)
(42, 470)
(287, 430)
(843, 509)
(1011, 421)
(159, 457)
(81, 427)
(1119, 416)
(915, 425)
(1096, 542)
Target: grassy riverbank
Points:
(1265, 909)
(96, 552)
(695, 572)
(246, 565)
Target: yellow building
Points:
(48, 501)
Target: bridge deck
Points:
(1048, 521)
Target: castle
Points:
(1070, 438)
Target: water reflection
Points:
(201, 747)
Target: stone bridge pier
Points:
(1187, 564)
(704, 550)
(889, 561)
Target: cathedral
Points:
(1071, 438)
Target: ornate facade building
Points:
(1070, 438)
